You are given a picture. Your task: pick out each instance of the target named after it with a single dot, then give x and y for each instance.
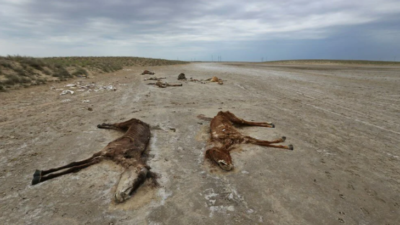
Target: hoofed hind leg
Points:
(269, 143)
(37, 176)
(118, 126)
(73, 164)
(236, 120)
(40, 176)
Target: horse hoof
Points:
(38, 173)
(103, 125)
(36, 180)
(283, 138)
(273, 125)
(291, 147)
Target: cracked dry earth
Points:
(344, 122)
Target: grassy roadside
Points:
(19, 71)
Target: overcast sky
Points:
(246, 30)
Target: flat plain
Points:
(343, 120)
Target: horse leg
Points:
(118, 126)
(44, 172)
(40, 173)
(236, 120)
(174, 85)
(255, 141)
(40, 177)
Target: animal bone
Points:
(164, 85)
(154, 78)
(64, 92)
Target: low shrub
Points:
(61, 73)
(35, 63)
(80, 72)
(11, 79)
(41, 81)
(20, 72)
(5, 64)
(46, 71)
(24, 80)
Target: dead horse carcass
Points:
(148, 72)
(224, 136)
(126, 151)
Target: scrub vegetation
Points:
(21, 71)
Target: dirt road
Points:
(344, 122)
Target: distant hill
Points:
(19, 71)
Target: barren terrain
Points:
(344, 123)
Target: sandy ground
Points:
(344, 122)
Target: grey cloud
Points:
(202, 26)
